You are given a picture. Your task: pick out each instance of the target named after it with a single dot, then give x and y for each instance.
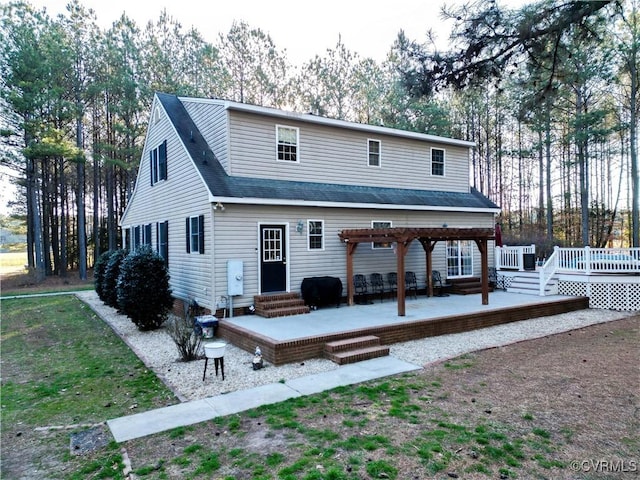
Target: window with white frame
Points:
(162, 240)
(195, 234)
(146, 234)
(374, 152)
(437, 162)
(315, 235)
(158, 163)
(381, 224)
(287, 146)
(137, 236)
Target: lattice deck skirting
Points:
(608, 296)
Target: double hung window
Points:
(287, 143)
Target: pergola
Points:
(428, 237)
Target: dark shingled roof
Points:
(221, 184)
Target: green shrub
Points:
(99, 270)
(110, 280)
(143, 288)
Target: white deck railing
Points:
(597, 260)
(512, 258)
(585, 261)
(548, 270)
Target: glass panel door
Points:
(459, 258)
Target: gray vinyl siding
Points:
(237, 237)
(182, 195)
(211, 120)
(339, 155)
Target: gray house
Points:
(243, 200)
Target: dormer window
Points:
(287, 146)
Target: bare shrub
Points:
(186, 339)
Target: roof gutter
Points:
(378, 206)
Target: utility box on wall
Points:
(235, 278)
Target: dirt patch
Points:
(563, 407)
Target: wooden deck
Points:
(298, 346)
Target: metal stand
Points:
(218, 362)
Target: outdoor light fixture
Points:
(219, 205)
(300, 226)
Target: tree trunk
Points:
(82, 235)
(35, 221)
(633, 146)
(547, 145)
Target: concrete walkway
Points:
(196, 411)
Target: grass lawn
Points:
(547, 408)
(12, 262)
(63, 367)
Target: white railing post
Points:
(587, 259)
(520, 259)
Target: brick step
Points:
(358, 355)
(282, 312)
(269, 297)
(466, 286)
(351, 344)
(277, 304)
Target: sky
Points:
(303, 29)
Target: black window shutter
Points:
(162, 161)
(151, 166)
(201, 233)
(147, 234)
(165, 242)
(188, 236)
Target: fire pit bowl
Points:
(214, 349)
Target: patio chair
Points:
(360, 287)
(377, 285)
(411, 283)
(392, 280)
(439, 284)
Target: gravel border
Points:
(159, 353)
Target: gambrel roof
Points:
(226, 188)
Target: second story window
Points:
(437, 162)
(158, 163)
(374, 153)
(287, 143)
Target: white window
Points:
(315, 235)
(158, 163)
(381, 224)
(195, 234)
(287, 146)
(437, 162)
(374, 152)
(459, 258)
(146, 234)
(162, 240)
